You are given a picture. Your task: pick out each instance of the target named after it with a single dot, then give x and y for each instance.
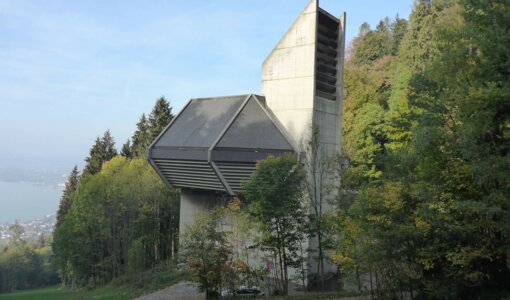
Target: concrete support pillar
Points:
(195, 201)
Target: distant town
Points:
(31, 229)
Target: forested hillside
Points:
(118, 218)
(426, 201)
(115, 219)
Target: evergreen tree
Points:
(103, 150)
(126, 149)
(95, 158)
(141, 138)
(384, 26)
(147, 129)
(66, 203)
(109, 146)
(399, 28)
(66, 200)
(159, 118)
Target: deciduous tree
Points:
(275, 196)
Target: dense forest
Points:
(116, 218)
(426, 198)
(424, 189)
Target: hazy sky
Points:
(71, 69)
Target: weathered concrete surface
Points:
(288, 75)
(193, 202)
(289, 85)
(180, 291)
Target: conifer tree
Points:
(102, 150)
(160, 117)
(147, 129)
(109, 146)
(140, 137)
(399, 28)
(126, 149)
(94, 160)
(66, 200)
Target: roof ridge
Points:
(228, 96)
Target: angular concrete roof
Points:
(214, 143)
(200, 122)
(253, 128)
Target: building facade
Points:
(213, 144)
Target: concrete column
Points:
(194, 201)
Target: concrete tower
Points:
(302, 77)
(302, 81)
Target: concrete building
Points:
(213, 144)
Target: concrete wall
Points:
(194, 201)
(288, 75)
(327, 113)
(288, 83)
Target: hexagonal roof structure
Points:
(214, 143)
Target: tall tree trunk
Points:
(321, 260)
(286, 275)
(302, 267)
(280, 257)
(64, 276)
(371, 283)
(73, 284)
(285, 270)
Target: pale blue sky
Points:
(71, 69)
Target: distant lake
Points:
(27, 201)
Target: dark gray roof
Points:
(214, 143)
(232, 122)
(201, 122)
(253, 129)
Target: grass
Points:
(151, 280)
(52, 293)
(119, 293)
(123, 288)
